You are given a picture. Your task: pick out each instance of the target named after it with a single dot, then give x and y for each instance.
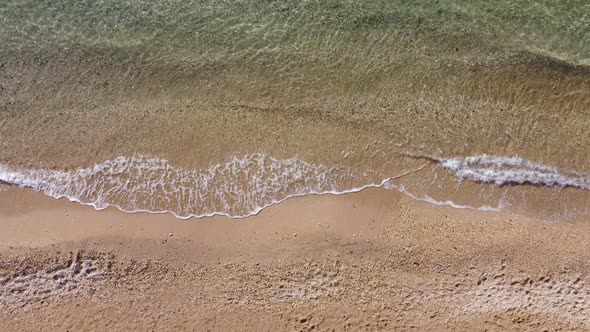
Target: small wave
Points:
(239, 188)
(503, 170)
(246, 185)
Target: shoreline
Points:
(310, 263)
(140, 184)
(308, 165)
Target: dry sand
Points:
(373, 260)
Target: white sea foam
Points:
(239, 188)
(503, 170)
(246, 185)
(430, 200)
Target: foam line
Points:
(242, 187)
(246, 185)
(503, 170)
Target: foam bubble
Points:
(503, 170)
(238, 188)
(448, 202)
(246, 185)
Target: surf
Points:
(246, 185)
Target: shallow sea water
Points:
(205, 107)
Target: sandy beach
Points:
(302, 165)
(374, 260)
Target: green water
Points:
(359, 84)
(448, 66)
(290, 35)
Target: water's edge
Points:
(246, 185)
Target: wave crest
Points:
(502, 170)
(246, 185)
(238, 188)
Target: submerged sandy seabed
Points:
(209, 107)
(365, 261)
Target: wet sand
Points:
(208, 107)
(373, 260)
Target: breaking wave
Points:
(239, 188)
(246, 185)
(513, 170)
